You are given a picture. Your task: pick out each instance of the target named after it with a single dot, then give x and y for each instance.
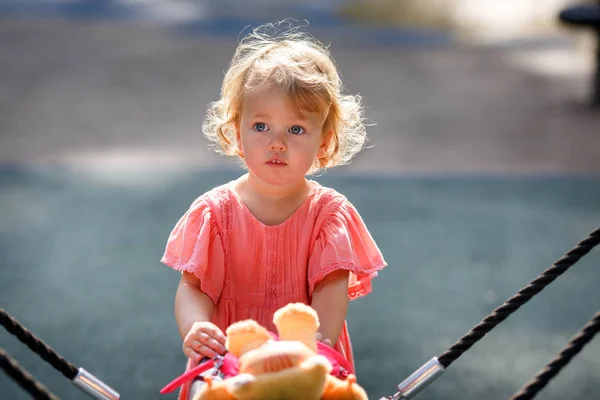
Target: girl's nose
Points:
(277, 144)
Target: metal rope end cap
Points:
(420, 379)
(93, 386)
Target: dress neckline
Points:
(313, 188)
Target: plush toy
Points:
(286, 369)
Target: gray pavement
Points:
(484, 169)
(72, 91)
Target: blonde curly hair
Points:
(302, 68)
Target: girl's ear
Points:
(238, 139)
(322, 153)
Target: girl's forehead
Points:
(274, 102)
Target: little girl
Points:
(272, 236)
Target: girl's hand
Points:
(204, 339)
(324, 341)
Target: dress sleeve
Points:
(195, 246)
(345, 243)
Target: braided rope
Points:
(522, 297)
(37, 346)
(585, 335)
(24, 378)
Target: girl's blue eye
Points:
(260, 127)
(296, 130)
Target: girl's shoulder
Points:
(218, 197)
(326, 201)
(213, 199)
(215, 204)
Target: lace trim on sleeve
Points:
(359, 283)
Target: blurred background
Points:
(483, 168)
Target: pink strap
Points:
(336, 359)
(187, 376)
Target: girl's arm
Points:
(193, 313)
(330, 301)
(191, 304)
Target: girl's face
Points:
(279, 144)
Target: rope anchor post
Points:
(419, 380)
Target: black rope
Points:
(557, 363)
(24, 378)
(37, 346)
(522, 297)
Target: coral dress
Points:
(250, 269)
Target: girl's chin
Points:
(277, 177)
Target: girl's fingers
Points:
(196, 345)
(216, 334)
(196, 354)
(208, 341)
(211, 343)
(207, 352)
(192, 355)
(324, 341)
(216, 346)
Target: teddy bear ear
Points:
(246, 335)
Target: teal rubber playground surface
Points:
(79, 263)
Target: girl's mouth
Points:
(276, 163)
